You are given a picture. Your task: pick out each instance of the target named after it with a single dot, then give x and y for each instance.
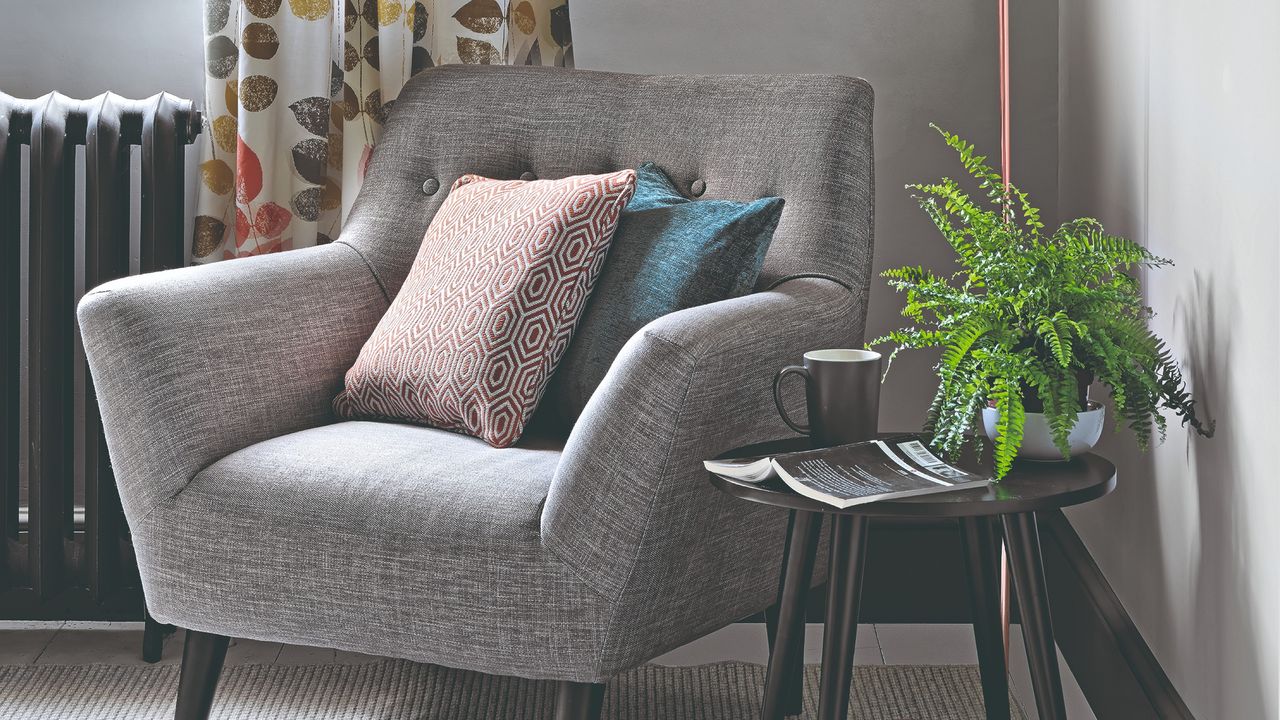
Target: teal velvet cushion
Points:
(668, 253)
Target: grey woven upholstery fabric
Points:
(380, 538)
(256, 515)
(804, 138)
(190, 365)
(631, 507)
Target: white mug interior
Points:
(849, 355)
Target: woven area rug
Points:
(393, 690)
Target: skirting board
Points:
(1113, 664)
(915, 575)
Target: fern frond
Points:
(1057, 392)
(1008, 397)
(1114, 249)
(975, 165)
(962, 340)
(1030, 213)
(1055, 331)
(911, 274)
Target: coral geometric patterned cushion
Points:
(489, 305)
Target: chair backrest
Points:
(805, 138)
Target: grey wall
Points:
(928, 60)
(85, 47)
(1168, 134)
(82, 48)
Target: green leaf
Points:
(1058, 342)
(962, 340)
(1009, 426)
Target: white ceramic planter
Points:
(1037, 440)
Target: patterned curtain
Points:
(296, 92)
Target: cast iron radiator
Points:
(64, 546)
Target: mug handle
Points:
(777, 395)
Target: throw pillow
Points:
(669, 253)
(489, 305)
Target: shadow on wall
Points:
(1154, 547)
(1221, 576)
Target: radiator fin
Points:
(59, 559)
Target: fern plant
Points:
(1031, 318)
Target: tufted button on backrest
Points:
(805, 138)
(526, 175)
(430, 186)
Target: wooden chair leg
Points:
(579, 701)
(202, 658)
(153, 635)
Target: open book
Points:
(849, 475)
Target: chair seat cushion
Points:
(489, 305)
(379, 538)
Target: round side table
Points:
(983, 513)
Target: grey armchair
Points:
(256, 515)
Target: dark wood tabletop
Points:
(1030, 486)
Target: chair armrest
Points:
(631, 500)
(190, 365)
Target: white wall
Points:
(927, 60)
(1169, 115)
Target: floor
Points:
(886, 645)
(87, 643)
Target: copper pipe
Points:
(1005, 169)
(1005, 163)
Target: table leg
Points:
(783, 687)
(1022, 537)
(848, 553)
(792, 701)
(981, 545)
(771, 613)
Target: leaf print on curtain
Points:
(297, 91)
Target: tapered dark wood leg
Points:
(202, 658)
(1023, 538)
(579, 701)
(793, 675)
(793, 685)
(980, 543)
(771, 612)
(152, 638)
(783, 690)
(153, 634)
(848, 554)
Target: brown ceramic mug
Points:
(842, 387)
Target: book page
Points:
(920, 455)
(854, 471)
(865, 472)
